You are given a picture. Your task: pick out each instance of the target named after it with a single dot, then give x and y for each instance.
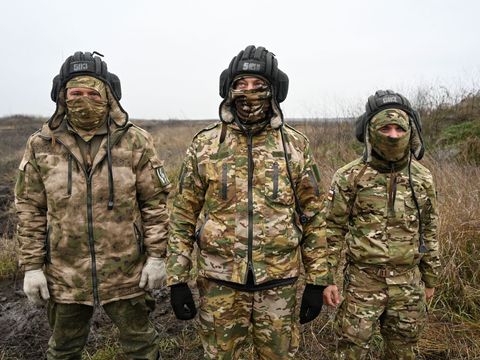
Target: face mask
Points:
(251, 105)
(390, 149)
(85, 113)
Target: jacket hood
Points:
(116, 112)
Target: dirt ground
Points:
(25, 330)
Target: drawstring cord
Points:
(110, 172)
(422, 248)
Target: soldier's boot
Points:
(138, 337)
(400, 350)
(349, 351)
(70, 324)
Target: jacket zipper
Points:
(91, 243)
(250, 206)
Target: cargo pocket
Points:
(69, 175)
(199, 232)
(139, 239)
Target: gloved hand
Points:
(153, 273)
(182, 301)
(312, 301)
(35, 286)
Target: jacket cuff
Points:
(28, 267)
(431, 281)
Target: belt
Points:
(385, 271)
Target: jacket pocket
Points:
(199, 232)
(313, 182)
(48, 258)
(275, 180)
(139, 239)
(224, 180)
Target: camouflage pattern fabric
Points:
(214, 189)
(89, 253)
(376, 218)
(226, 314)
(369, 299)
(88, 82)
(390, 149)
(373, 234)
(70, 325)
(251, 105)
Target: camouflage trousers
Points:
(227, 316)
(396, 304)
(70, 325)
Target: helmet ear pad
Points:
(282, 86)
(384, 99)
(224, 83)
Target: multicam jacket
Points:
(358, 215)
(236, 201)
(91, 254)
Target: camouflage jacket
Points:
(91, 254)
(235, 200)
(358, 215)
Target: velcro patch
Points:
(331, 194)
(162, 176)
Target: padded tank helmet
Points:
(85, 63)
(387, 99)
(255, 61)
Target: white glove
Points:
(154, 273)
(35, 286)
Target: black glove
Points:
(182, 301)
(312, 301)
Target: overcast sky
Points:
(169, 54)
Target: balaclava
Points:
(85, 115)
(387, 148)
(253, 105)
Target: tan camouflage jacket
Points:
(91, 254)
(241, 221)
(358, 216)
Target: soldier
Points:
(383, 207)
(91, 200)
(249, 196)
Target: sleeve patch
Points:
(162, 176)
